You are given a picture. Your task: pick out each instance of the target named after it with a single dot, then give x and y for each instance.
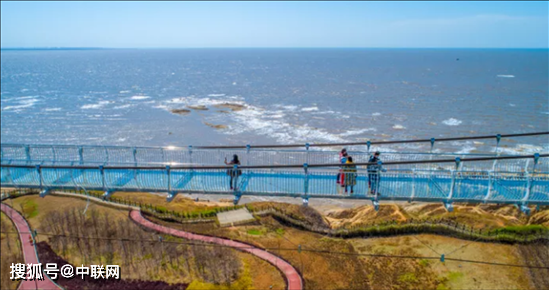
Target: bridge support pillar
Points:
(236, 199)
(44, 192)
(107, 194)
(305, 201)
(171, 196)
(449, 207)
(525, 209)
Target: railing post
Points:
(168, 178)
(306, 185)
(102, 171)
(43, 192)
(171, 194)
(106, 154)
(307, 149)
(134, 150)
(529, 184)
(191, 154)
(448, 203)
(39, 170)
(248, 147)
(413, 185)
(490, 181)
(432, 145)
(27, 153)
(81, 154)
(368, 144)
(498, 138)
(54, 154)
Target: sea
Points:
(182, 97)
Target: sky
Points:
(275, 24)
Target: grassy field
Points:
(10, 247)
(199, 266)
(331, 263)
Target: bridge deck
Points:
(424, 185)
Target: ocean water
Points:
(278, 96)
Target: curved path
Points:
(292, 276)
(29, 251)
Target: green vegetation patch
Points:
(424, 263)
(255, 232)
(523, 230)
(453, 276)
(408, 278)
(30, 208)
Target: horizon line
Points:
(251, 47)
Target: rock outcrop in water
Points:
(180, 111)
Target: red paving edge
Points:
(29, 251)
(293, 278)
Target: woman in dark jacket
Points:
(231, 172)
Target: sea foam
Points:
(99, 105)
(140, 97)
(452, 122)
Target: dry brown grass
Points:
(179, 203)
(336, 271)
(262, 273)
(456, 275)
(476, 216)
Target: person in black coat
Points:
(231, 172)
(374, 170)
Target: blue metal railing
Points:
(455, 185)
(133, 156)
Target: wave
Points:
(99, 105)
(24, 102)
(287, 107)
(524, 149)
(376, 114)
(122, 106)
(452, 122)
(309, 109)
(216, 95)
(52, 109)
(358, 132)
(398, 127)
(124, 92)
(506, 76)
(140, 97)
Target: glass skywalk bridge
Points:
(284, 170)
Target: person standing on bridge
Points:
(350, 174)
(340, 180)
(231, 172)
(374, 173)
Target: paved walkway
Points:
(233, 217)
(29, 251)
(292, 276)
